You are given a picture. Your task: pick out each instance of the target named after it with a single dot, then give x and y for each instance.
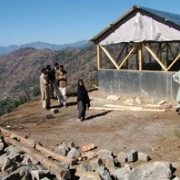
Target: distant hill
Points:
(20, 70)
(43, 45)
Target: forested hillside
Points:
(20, 71)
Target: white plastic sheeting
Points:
(142, 28)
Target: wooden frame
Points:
(163, 48)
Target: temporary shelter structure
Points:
(138, 53)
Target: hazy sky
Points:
(65, 21)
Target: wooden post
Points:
(150, 57)
(140, 56)
(99, 57)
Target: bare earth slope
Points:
(156, 133)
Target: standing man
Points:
(61, 76)
(51, 79)
(57, 92)
(45, 90)
(176, 78)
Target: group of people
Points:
(53, 84)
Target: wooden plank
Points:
(155, 57)
(11, 134)
(153, 105)
(99, 57)
(126, 58)
(121, 109)
(140, 56)
(5, 132)
(110, 57)
(51, 166)
(36, 146)
(54, 155)
(103, 108)
(175, 60)
(125, 70)
(134, 107)
(121, 52)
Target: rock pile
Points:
(91, 164)
(15, 164)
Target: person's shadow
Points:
(68, 104)
(71, 103)
(97, 115)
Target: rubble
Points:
(95, 164)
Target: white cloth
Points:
(176, 78)
(141, 28)
(63, 91)
(63, 97)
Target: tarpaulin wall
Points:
(139, 27)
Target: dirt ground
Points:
(155, 133)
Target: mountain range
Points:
(42, 45)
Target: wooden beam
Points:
(54, 155)
(140, 56)
(155, 57)
(165, 46)
(121, 52)
(125, 59)
(99, 57)
(169, 47)
(60, 172)
(125, 109)
(36, 146)
(150, 57)
(110, 57)
(175, 60)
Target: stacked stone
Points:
(104, 165)
(91, 164)
(19, 165)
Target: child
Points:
(82, 100)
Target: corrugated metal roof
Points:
(175, 18)
(167, 16)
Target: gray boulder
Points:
(104, 154)
(73, 153)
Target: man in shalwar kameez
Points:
(176, 78)
(45, 91)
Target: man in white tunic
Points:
(61, 76)
(176, 78)
(45, 91)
